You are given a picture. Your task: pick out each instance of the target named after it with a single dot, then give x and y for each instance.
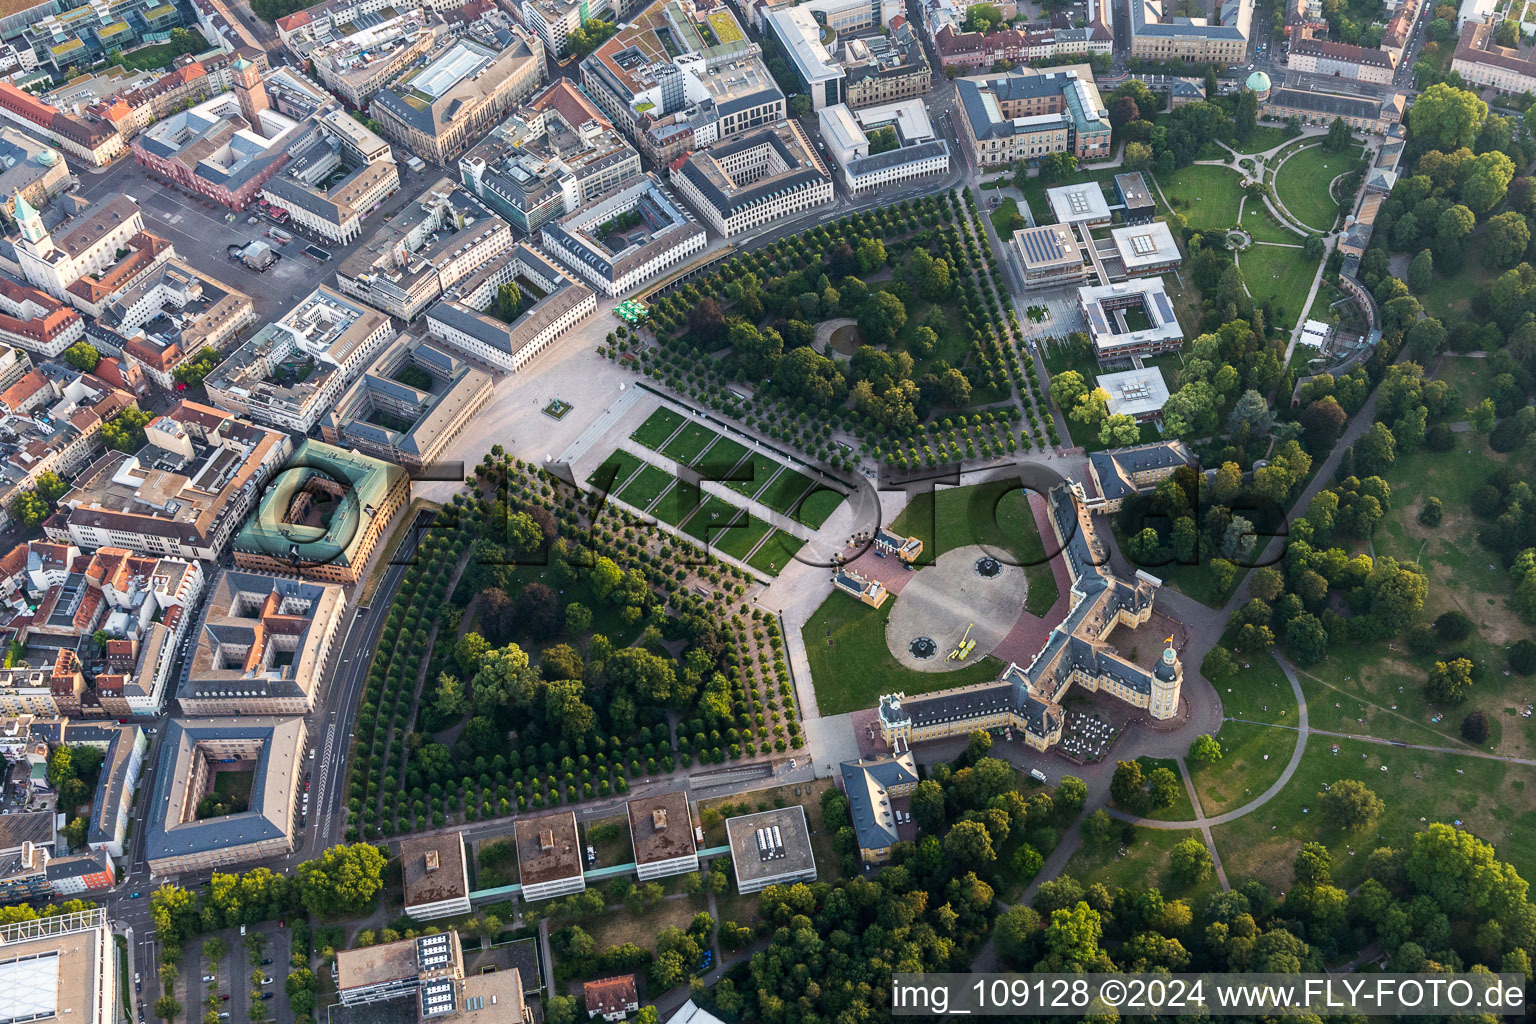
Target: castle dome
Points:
(1259, 83)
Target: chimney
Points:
(546, 839)
(432, 863)
(659, 819)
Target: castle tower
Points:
(1167, 680)
(249, 91)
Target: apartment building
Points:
(661, 834)
(768, 175)
(549, 855)
(37, 322)
(435, 871)
(89, 137)
(554, 20)
(182, 494)
(170, 317)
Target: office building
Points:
(224, 149)
(549, 856)
(554, 20)
(431, 245)
(799, 36)
(626, 237)
(670, 90)
(1326, 57)
(872, 787)
(322, 514)
(289, 373)
(1159, 36)
(89, 138)
(1079, 204)
(880, 69)
(917, 153)
(771, 847)
(767, 176)
(328, 186)
(1028, 114)
(1134, 195)
(31, 168)
(1120, 472)
(1481, 61)
(436, 876)
(459, 321)
(1140, 394)
(415, 399)
(552, 157)
(436, 109)
(193, 752)
(1049, 256)
(1129, 320)
(661, 834)
(260, 646)
(1141, 250)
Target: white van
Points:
(1037, 774)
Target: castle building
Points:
(1077, 652)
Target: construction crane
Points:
(964, 647)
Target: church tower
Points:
(251, 94)
(31, 223)
(1167, 680)
(42, 265)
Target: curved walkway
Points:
(1303, 730)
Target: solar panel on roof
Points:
(1163, 307)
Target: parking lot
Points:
(202, 235)
(233, 974)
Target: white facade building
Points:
(666, 237)
(765, 176)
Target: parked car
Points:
(266, 995)
(210, 977)
(266, 962)
(267, 980)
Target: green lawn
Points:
(817, 506)
(1006, 219)
(751, 476)
(725, 527)
(1207, 196)
(739, 540)
(234, 786)
(1259, 694)
(1145, 864)
(1471, 377)
(689, 443)
(653, 433)
(1280, 274)
(996, 515)
(1378, 691)
(1302, 184)
(785, 490)
(644, 488)
(852, 667)
(1448, 295)
(720, 459)
(614, 471)
(675, 505)
(1264, 137)
(1489, 798)
(1258, 222)
(776, 552)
